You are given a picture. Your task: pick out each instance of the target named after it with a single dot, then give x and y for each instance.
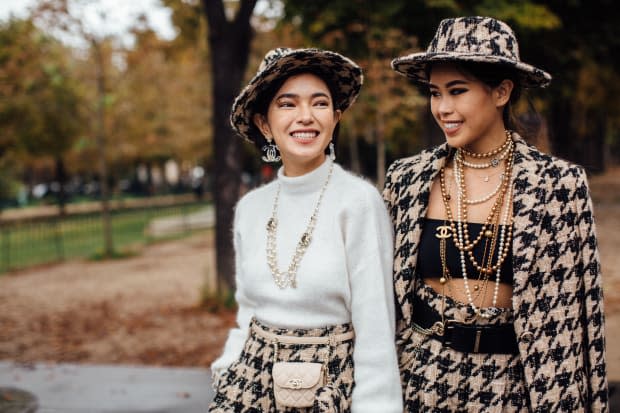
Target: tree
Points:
(40, 110)
(163, 105)
(583, 100)
(365, 31)
(229, 45)
(574, 41)
(55, 15)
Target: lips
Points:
(304, 135)
(450, 128)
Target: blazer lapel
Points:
(528, 185)
(412, 213)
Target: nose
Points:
(305, 114)
(445, 105)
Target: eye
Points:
(457, 91)
(323, 103)
(433, 93)
(285, 104)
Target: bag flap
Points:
(297, 375)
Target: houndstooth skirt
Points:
(247, 385)
(439, 379)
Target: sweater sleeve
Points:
(369, 245)
(237, 336)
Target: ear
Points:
(503, 92)
(337, 115)
(261, 123)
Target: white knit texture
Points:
(344, 276)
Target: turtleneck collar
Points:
(307, 183)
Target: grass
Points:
(38, 242)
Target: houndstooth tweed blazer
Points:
(557, 292)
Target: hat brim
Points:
(414, 66)
(346, 76)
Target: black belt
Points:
(466, 338)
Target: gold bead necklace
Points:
(491, 228)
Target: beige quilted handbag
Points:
(295, 383)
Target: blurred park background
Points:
(130, 111)
(114, 128)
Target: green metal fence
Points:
(35, 241)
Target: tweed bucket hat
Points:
(472, 39)
(345, 75)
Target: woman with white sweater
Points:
(313, 255)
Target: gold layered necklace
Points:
(497, 228)
(288, 277)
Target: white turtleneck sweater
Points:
(344, 276)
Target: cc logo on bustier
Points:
(443, 231)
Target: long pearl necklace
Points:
(504, 238)
(288, 278)
(503, 243)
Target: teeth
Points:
(304, 135)
(451, 125)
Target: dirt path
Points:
(140, 310)
(144, 309)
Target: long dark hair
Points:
(266, 95)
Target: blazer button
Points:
(527, 337)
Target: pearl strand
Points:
(502, 243)
(459, 217)
(487, 196)
(493, 163)
(495, 212)
(506, 221)
(288, 278)
(494, 151)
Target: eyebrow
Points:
(449, 84)
(295, 96)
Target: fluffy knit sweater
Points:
(344, 276)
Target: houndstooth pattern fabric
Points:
(247, 385)
(474, 39)
(557, 293)
(439, 379)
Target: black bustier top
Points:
(429, 260)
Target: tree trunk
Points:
(354, 152)
(594, 144)
(567, 143)
(108, 246)
(229, 43)
(61, 178)
(380, 135)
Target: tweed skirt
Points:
(438, 379)
(247, 385)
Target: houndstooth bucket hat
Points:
(472, 39)
(346, 75)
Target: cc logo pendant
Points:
(443, 231)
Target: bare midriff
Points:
(455, 289)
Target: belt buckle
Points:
(447, 325)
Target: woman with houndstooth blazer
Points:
(496, 267)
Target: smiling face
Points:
(468, 111)
(301, 119)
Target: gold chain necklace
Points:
(494, 151)
(504, 239)
(460, 233)
(288, 278)
(503, 252)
